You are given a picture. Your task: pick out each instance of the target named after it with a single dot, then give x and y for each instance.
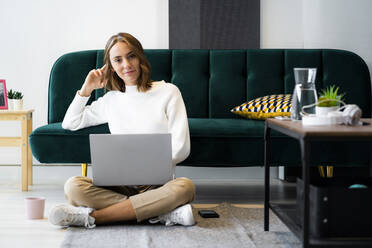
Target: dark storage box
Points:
(337, 210)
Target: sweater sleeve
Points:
(79, 116)
(178, 127)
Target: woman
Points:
(134, 104)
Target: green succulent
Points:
(328, 95)
(14, 94)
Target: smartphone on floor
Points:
(206, 213)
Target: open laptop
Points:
(131, 159)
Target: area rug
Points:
(236, 227)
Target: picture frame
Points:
(3, 95)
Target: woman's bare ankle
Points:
(93, 213)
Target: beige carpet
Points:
(238, 226)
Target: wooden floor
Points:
(17, 231)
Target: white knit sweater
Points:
(159, 110)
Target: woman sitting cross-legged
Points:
(133, 104)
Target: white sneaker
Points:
(181, 215)
(67, 215)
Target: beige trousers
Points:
(147, 201)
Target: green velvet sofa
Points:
(212, 82)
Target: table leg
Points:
(29, 154)
(370, 160)
(305, 156)
(267, 178)
(24, 151)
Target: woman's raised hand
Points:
(96, 79)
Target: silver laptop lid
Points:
(131, 159)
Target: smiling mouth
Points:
(128, 72)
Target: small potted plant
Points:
(329, 100)
(15, 100)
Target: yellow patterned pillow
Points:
(265, 107)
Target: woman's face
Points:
(125, 63)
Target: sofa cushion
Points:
(201, 127)
(219, 142)
(265, 107)
(48, 141)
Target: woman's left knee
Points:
(185, 188)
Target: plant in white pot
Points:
(329, 100)
(15, 100)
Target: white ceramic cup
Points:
(35, 207)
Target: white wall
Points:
(281, 24)
(33, 34)
(338, 24)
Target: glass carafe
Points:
(304, 92)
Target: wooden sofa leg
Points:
(329, 171)
(84, 169)
(321, 171)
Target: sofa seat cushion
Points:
(242, 128)
(55, 129)
(219, 142)
(48, 141)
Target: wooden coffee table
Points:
(306, 135)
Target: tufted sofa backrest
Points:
(214, 81)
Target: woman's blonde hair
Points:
(114, 82)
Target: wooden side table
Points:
(25, 116)
(287, 211)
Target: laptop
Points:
(131, 159)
